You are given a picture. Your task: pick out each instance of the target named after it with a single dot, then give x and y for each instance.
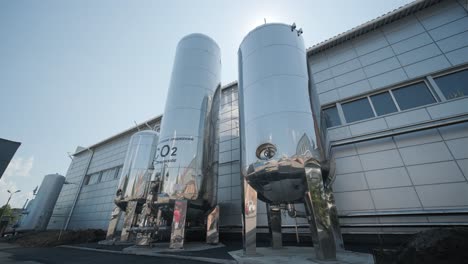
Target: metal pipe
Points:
(292, 212)
(65, 227)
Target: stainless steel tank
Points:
(137, 168)
(40, 209)
(135, 182)
(184, 157)
(277, 127)
(281, 158)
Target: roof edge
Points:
(396, 14)
(132, 129)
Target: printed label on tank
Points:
(176, 151)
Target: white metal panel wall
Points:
(95, 203)
(432, 40)
(420, 171)
(67, 195)
(424, 170)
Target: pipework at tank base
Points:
(144, 226)
(320, 213)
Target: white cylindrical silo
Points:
(277, 126)
(281, 161)
(184, 158)
(40, 209)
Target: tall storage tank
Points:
(185, 151)
(40, 209)
(277, 127)
(137, 168)
(281, 162)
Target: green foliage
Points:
(7, 210)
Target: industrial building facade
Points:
(393, 98)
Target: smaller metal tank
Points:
(135, 182)
(137, 168)
(40, 209)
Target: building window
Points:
(86, 180)
(357, 110)
(117, 171)
(413, 96)
(107, 175)
(331, 117)
(453, 85)
(99, 177)
(92, 179)
(383, 103)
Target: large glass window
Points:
(383, 103)
(413, 96)
(357, 110)
(453, 85)
(331, 117)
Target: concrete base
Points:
(288, 255)
(164, 247)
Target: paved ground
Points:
(18, 255)
(9, 255)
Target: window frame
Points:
(118, 169)
(391, 97)
(429, 86)
(338, 112)
(356, 99)
(86, 179)
(433, 94)
(436, 87)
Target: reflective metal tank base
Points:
(280, 152)
(286, 181)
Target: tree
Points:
(6, 211)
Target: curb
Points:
(210, 260)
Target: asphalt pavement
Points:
(56, 255)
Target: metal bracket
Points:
(212, 226)
(178, 224)
(249, 217)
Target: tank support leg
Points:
(113, 223)
(274, 225)
(319, 214)
(178, 225)
(249, 217)
(129, 221)
(143, 238)
(335, 224)
(212, 227)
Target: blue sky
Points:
(75, 72)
